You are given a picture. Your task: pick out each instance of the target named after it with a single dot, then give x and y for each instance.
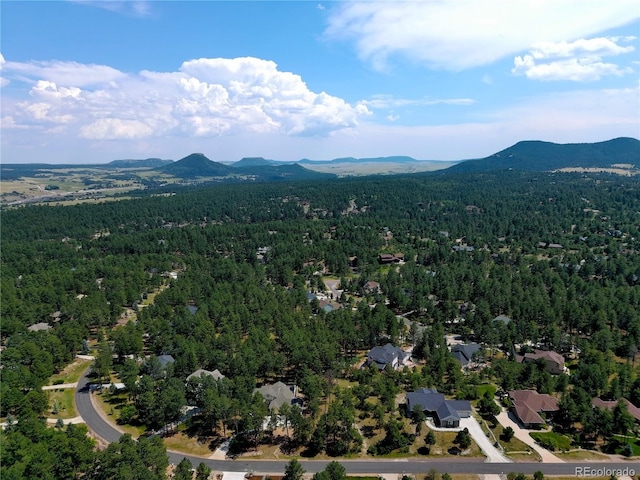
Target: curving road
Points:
(109, 433)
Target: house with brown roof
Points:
(529, 407)
(386, 258)
(554, 362)
(372, 288)
(611, 404)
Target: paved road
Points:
(109, 433)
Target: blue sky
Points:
(94, 81)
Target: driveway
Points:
(475, 430)
(332, 286)
(506, 420)
(60, 386)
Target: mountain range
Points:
(618, 154)
(532, 155)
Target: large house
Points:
(611, 404)
(386, 355)
(463, 353)
(277, 394)
(446, 413)
(529, 406)
(554, 362)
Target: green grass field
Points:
(552, 441)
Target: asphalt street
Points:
(110, 433)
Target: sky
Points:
(93, 81)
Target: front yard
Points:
(552, 441)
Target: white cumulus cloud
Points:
(206, 97)
(580, 60)
(455, 35)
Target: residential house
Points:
(463, 248)
(529, 406)
(386, 355)
(446, 413)
(201, 372)
(372, 288)
(503, 319)
(277, 394)
(386, 258)
(39, 327)
(166, 360)
(554, 362)
(464, 353)
(611, 404)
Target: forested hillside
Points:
(556, 253)
(537, 156)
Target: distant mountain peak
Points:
(252, 162)
(538, 155)
(196, 165)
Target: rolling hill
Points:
(538, 156)
(253, 162)
(144, 163)
(195, 165)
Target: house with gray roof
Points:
(386, 355)
(277, 394)
(166, 360)
(503, 319)
(216, 375)
(446, 413)
(463, 353)
(39, 327)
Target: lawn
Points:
(634, 442)
(552, 441)
(63, 401)
(71, 372)
(515, 448)
(485, 387)
(444, 441)
(181, 442)
(110, 405)
(578, 455)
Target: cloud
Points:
(3, 81)
(389, 101)
(563, 117)
(64, 73)
(110, 128)
(451, 35)
(136, 8)
(206, 97)
(580, 60)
